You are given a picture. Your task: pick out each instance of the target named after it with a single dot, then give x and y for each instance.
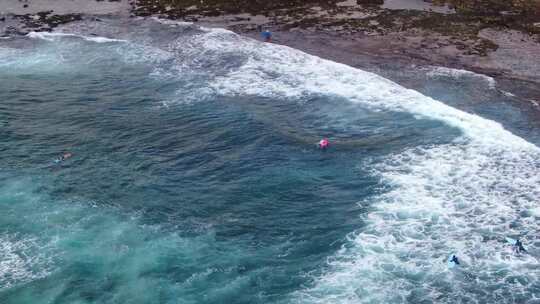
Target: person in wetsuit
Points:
(267, 36)
(63, 157)
(518, 247)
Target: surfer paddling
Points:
(454, 259)
(63, 157)
(323, 144)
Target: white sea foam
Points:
(52, 36)
(458, 74)
(13, 58)
(171, 22)
(138, 53)
(463, 197)
(21, 260)
(452, 198)
(508, 94)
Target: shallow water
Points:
(195, 176)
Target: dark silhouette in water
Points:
(518, 247)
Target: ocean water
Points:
(195, 177)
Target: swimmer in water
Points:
(518, 247)
(63, 157)
(323, 144)
(454, 260)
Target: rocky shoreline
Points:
(351, 32)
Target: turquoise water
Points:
(196, 179)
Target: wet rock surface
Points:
(406, 28)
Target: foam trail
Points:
(171, 22)
(51, 37)
(459, 73)
(462, 197)
(508, 94)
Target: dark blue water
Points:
(180, 191)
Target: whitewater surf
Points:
(195, 180)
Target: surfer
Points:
(267, 35)
(518, 247)
(323, 144)
(63, 157)
(454, 259)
